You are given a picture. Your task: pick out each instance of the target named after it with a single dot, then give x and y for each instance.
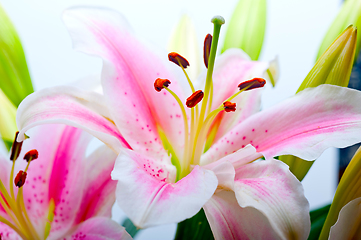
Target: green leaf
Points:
(194, 228)
(130, 227)
(318, 218)
(15, 78)
(247, 27)
(350, 13)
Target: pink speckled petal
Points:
(5, 166)
(149, 200)
(303, 125)
(348, 222)
(55, 175)
(229, 221)
(272, 189)
(99, 188)
(99, 228)
(72, 106)
(7, 233)
(232, 68)
(129, 71)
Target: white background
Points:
(295, 29)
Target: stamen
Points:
(229, 107)
(207, 48)
(16, 148)
(178, 59)
(160, 83)
(251, 84)
(31, 155)
(195, 98)
(20, 179)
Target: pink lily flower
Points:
(65, 195)
(174, 160)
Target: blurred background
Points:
(295, 29)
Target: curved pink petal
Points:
(149, 201)
(272, 189)
(239, 158)
(99, 188)
(129, 71)
(232, 68)
(230, 221)
(7, 233)
(55, 175)
(99, 228)
(348, 222)
(72, 106)
(303, 125)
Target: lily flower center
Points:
(14, 206)
(197, 127)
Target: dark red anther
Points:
(229, 107)
(177, 58)
(195, 98)
(207, 48)
(31, 155)
(160, 83)
(20, 179)
(16, 148)
(251, 84)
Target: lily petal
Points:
(272, 189)
(230, 221)
(128, 75)
(304, 125)
(99, 228)
(348, 223)
(72, 106)
(7, 233)
(149, 201)
(99, 188)
(49, 177)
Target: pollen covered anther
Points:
(16, 148)
(229, 107)
(195, 98)
(178, 59)
(251, 84)
(32, 154)
(207, 48)
(160, 83)
(20, 179)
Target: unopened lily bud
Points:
(251, 84)
(195, 98)
(229, 107)
(16, 148)
(31, 155)
(350, 13)
(160, 83)
(335, 64)
(178, 59)
(247, 26)
(20, 179)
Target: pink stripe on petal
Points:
(272, 189)
(130, 69)
(304, 125)
(72, 106)
(230, 221)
